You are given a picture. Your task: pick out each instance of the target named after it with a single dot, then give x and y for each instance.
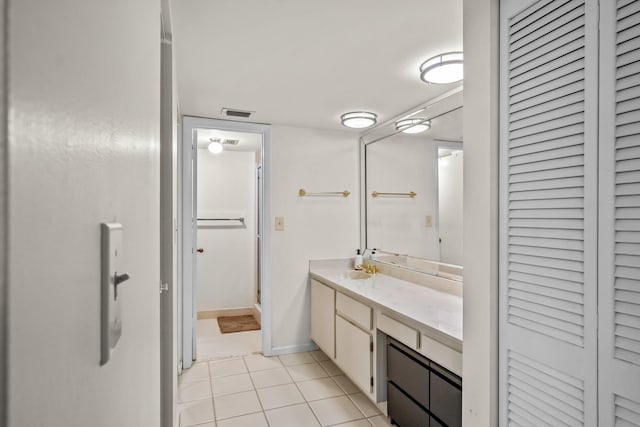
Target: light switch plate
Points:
(279, 223)
(110, 319)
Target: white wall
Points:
(398, 224)
(450, 198)
(3, 222)
(84, 149)
(227, 268)
(315, 227)
(480, 312)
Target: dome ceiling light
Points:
(442, 69)
(215, 146)
(413, 125)
(358, 119)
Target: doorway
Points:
(225, 248)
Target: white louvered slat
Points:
(627, 412)
(541, 395)
(546, 204)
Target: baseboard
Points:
(212, 314)
(298, 348)
(257, 313)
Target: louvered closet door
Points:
(548, 255)
(619, 243)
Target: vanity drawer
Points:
(403, 411)
(354, 310)
(446, 396)
(408, 374)
(399, 331)
(440, 353)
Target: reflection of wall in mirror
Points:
(396, 223)
(450, 207)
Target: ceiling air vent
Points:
(230, 112)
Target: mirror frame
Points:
(449, 271)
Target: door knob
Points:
(201, 250)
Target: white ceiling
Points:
(306, 62)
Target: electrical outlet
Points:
(279, 223)
(428, 221)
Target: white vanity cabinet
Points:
(354, 341)
(323, 309)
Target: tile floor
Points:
(214, 344)
(293, 390)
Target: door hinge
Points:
(164, 287)
(371, 381)
(371, 347)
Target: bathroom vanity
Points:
(397, 334)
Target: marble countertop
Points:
(436, 313)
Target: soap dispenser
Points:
(357, 261)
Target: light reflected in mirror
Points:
(413, 188)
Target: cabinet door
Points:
(323, 317)
(353, 353)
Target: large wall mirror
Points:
(413, 187)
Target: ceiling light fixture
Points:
(215, 146)
(358, 119)
(415, 125)
(442, 69)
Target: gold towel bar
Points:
(411, 194)
(344, 193)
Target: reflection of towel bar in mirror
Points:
(228, 223)
(411, 194)
(222, 219)
(344, 193)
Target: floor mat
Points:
(244, 323)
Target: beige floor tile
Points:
(271, 377)
(319, 355)
(279, 396)
(345, 384)
(208, 328)
(296, 359)
(292, 416)
(197, 372)
(194, 391)
(258, 362)
(331, 368)
(227, 345)
(320, 388)
(226, 367)
(365, 405)
(379, 421)
(196, 412)
(251, 420)
(234, 405)
(335, 410)
(309, 371)
(358, 423)
(231, 384)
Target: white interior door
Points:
(619, 240)
(189, 244)
(548, 242)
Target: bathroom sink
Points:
(358, 275)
